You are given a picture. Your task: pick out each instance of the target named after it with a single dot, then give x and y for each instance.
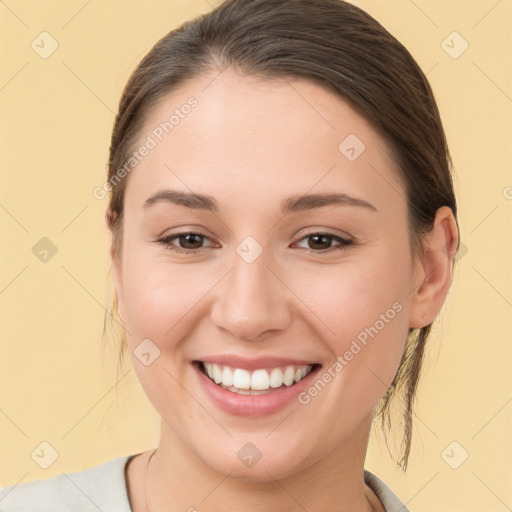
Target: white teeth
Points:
(276, 378)
(209, 369)
(227, 376)
(241, 379)
(289, 375)
(217, 374)
(259, 380)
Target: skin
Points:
(250, 144)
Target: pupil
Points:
(321, 237)
(197, 237)
(317, 240)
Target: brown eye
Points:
(322, 242)
(187, 242)
(190, 241)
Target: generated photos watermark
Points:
(355, 348)
(157, 135)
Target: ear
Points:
(118, 282)
(433, 274)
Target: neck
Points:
(179, 480)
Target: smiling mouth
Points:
(257, 382)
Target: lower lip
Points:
(252, 405)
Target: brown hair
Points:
(340, 47)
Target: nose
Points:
(252, 300)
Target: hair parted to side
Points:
(343, 49)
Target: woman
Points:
(283, 236)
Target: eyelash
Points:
(166, 242)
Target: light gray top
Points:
(103, 488)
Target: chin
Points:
(250, 463)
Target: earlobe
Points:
(118, 286)
(434, 272)
(118, 294)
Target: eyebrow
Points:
(292, 204)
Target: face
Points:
(252, 280)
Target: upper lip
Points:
(254, 363)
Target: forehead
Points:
(249, 139)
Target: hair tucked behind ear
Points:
(345, 50)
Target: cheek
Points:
(158, 296)
(362, 312)
(351, 296)
(162, 301)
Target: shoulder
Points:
(102, 487)
(389, 500)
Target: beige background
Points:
(57, 384)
